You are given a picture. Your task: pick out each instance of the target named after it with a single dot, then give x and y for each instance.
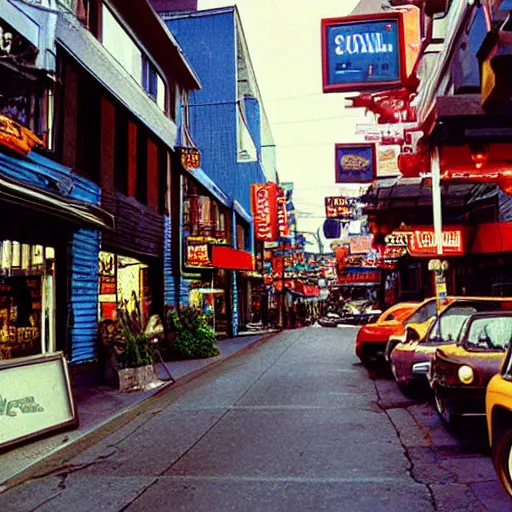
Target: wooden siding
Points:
(139, 230)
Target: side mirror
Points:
(411, 336)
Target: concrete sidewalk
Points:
(100, 404)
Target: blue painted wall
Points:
(208, 41)
(169, 280)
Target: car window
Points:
(492, 333)
(423, 313)
(448, 326)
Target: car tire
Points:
(502, 460)
(447, 416)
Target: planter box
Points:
(137, 379)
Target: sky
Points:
(284, 43)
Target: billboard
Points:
(370, 52)
(338, 207)
(355, 163)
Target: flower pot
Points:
(137, 379)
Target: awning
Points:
(201, 177)
(68, 209)
(231, 259)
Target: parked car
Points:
(460, 372)
(410, 360)
(372, 338)
(498, 405)
(330, 320)
(419, 321)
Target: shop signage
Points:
(388, 161)
(362, 276)
(17, 137)
(397, 239)
(264, 211)
(206, 240)
(282, 215)
(190, 158)
(15, 45)
(360, 244)
(35, 398)
(355, 163)
(422, 242)
(337, 208)
(370, 52)
(198, 256)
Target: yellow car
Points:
(498, 405)
(410, 360)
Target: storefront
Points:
(209, 260)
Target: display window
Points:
(123, 282)
(27, 299)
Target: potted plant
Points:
(194, 338)
(129, 339)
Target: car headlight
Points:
(466, 374)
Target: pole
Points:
(436, 199)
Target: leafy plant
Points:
(195, 339)
(129, 336)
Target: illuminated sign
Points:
(190, 158)
(355, 163)
(362, 276)
(422, 242)
(264, 211)
(282, 215)
(337, 208)
(397, 239)
(198, 256)
(207, 240)
(371, 51)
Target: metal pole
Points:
(436, 199)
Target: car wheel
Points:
(447, 416)
(502, 460)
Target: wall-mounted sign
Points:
(397, 239)
(422, 242)
(35, 398)
(206, 240)
(359, 276)
(190, 158)
(264, 211)
(370, 51)
(198, 256)
(355, 163)
(360, 244)
(338, 208)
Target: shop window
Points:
(27, 299)
(123, 282)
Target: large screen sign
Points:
(369, 52)
(355, 163)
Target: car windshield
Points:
(492, 333)
(448, 326)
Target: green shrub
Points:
(195, 339)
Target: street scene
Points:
(255, 255)
(294, 424)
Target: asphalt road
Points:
(295, 424)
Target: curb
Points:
(57, 459)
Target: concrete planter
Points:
(138, 379)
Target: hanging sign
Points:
(360, 244)
(422, 242)
(370, 52)
(355, 163)
(338, 208)
(190, 158)
(359, 276)
(264, 211)
(282, 214)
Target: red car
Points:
(372, 338)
